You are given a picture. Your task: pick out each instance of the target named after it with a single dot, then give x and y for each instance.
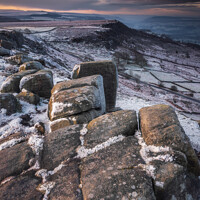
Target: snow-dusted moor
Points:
(94, 110)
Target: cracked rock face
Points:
(110, 78)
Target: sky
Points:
(128, 7)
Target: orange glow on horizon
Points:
(123, 11)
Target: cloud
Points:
(160, 7)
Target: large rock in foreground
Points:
(79, 101)
(11, 84)
(114, 173)
(160, 127)
(39, 83)
(110, 78)
(10, 103)
(122, 122)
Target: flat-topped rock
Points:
(122, 122)
(110, 78)
(39, 83)
(160, 127)
(31, 65)
(11, 84)
(79, 101)
(60, 145)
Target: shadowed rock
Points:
(14, 160)
(4, 52)
(173, 182)
(6, 44)
(22, 187)
(39, 83)
(110, 78)
(10, 103)
(122, 122)
(11, 84)
(160, 127)
(60, 145)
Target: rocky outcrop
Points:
(39, 83)
(110, 78)
(11, 84)
(29, 97)
(79, 101)
(103, 156)
(10, 103)
(14, 37)
(31, 65)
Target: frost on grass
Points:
(83, 152)
(13, 123)
(145, 154)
